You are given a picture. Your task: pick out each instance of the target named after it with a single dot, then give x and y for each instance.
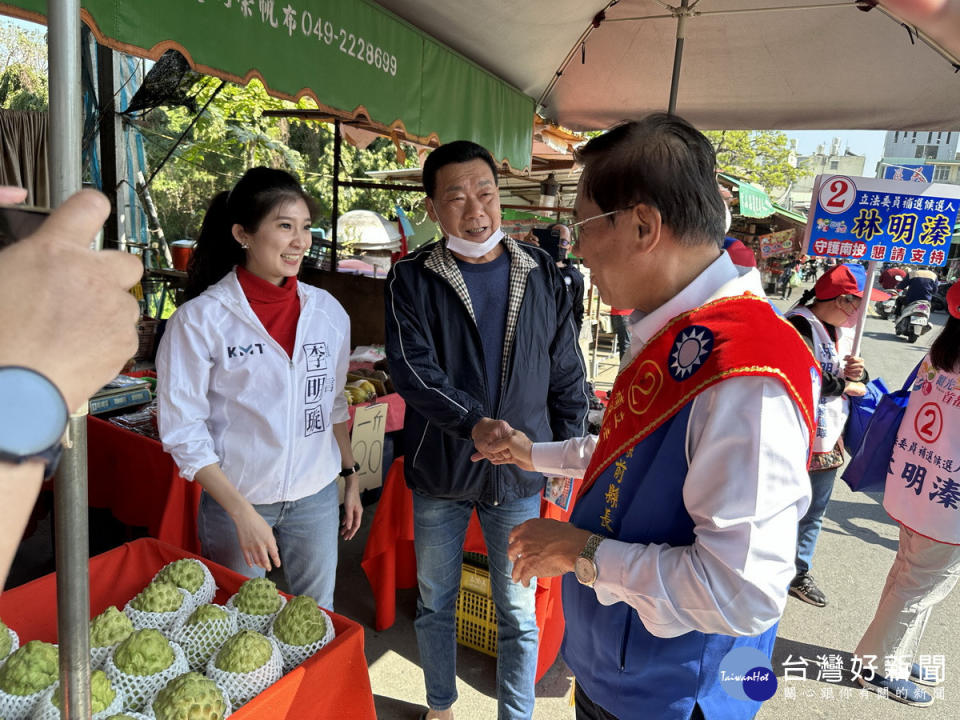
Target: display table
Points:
(334, 683)
(139, 483)
(390, 562)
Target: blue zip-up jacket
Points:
(436, 362)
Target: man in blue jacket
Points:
(478, 329)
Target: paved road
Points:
(856, 549)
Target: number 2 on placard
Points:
(839, 187)
(927, 430)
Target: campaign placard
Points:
(882, 220)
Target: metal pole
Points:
(872, 267)
(335, 210)
(70, 490)
(678, 55)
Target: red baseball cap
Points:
(953, 299)
(846, 279)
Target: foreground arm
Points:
(52, 270)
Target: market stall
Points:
(390, 563)
(333, 683)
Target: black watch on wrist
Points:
(347, 472)
(33, 418)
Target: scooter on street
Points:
(914, 320)
(886, 308)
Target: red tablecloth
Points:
(334, 683)
(132, 476)
(389, 562)
(395, 409)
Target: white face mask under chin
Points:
(471, 249)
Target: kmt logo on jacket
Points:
(244, 350)
(690, 348)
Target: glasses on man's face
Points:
(576, 230)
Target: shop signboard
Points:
(878, 220)
(777, 243)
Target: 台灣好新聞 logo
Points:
(746, 674)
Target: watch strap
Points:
(347, 472)
(590, 548)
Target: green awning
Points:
(797, 217)
(353, 57)
(510, 214)
(754, 202)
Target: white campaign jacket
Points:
(229, 394)
(832, 411)
(922, 490)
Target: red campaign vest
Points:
(730, 337)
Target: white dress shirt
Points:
(746, 489)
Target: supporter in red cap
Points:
(824, 316)
(953, 300)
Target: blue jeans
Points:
(808, 531)
(306, 532)
(439, 530)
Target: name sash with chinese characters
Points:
(730, 337)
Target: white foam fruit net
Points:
(46, 710)
(242, 687)
(293, 655)
(204, 594)
(19, 707)
(257, 623)
(149, 714)
(98, 656)
(201, 640)
(161, 621)
(138, 689)
(14, 644)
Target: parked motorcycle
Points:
(914, 320)
(886, 308)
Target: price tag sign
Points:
(369, 425)
(882, 220)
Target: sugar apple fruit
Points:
(257, 596)
(300, 622)
(244, 652)
(6, 642)
(190, 696)
(109, 627)
(207, 613)
(101, 692)
(158, 597)
(187, 574)
(30, 669)
(145, 652)
(121, 717)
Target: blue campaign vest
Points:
(618, 663)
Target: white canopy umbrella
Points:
(367, 230)
(745, 64)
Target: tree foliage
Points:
(23, 68)
(232, 135)
(759, 156)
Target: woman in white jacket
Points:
(251, 376)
